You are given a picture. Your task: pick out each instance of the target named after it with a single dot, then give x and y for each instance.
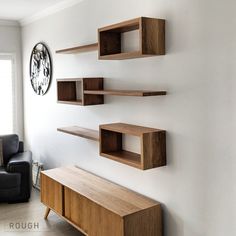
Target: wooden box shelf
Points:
(152, 141)
(81, 132)
(79, 49)
(89, 91)
(110, 137)
(151, 39)
(71, 91)
(98, 207)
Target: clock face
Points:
(40, 69)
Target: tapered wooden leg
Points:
(47, 213)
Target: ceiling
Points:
(22, 9)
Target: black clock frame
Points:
(38, 89)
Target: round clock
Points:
(40, 69)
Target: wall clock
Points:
(40, 69)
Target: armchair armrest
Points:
(19, 161)
(22, 163)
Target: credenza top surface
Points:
(111, 196)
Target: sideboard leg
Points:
(47, 213)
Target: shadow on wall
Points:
(172, 224)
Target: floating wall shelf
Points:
(81, 132)
(136, 93)
(151, 39)
(80, 49)
(152, 141)
(70, 91)
(89, 91)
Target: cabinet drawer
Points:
(52, 194)
(90, 217)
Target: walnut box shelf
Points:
(71, 91)
(81, 132)
(89, 91)
(151, 39)
(152, 141)
(79, 49)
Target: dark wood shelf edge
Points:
(127, 55)
(124, 157)
(129, 129)
(70, 102)
(80, 132)
(79, 49)
(135, 93)
(123, 55)
(127, 25)
(70, 80)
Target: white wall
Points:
(197, 188)
(10, 43)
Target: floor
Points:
(27, 219)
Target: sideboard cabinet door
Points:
(89, 216)
(52, 194)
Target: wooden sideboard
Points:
(98, 207)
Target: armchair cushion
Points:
(9, 180)
(9, 184)
(10, 146)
